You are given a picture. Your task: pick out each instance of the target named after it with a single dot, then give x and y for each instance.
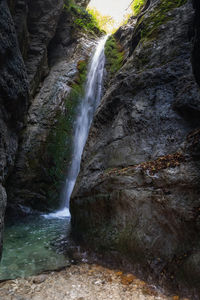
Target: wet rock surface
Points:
(134, 194)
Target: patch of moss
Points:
(158, 17)
(137, 6)
(114, 55)
(81, 17)
(59, 144)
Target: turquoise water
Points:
(29, 246)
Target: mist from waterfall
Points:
(86, 110)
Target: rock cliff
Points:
(43, 62)
(138, 189)
(52, 59)
(13, 100)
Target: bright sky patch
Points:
(117, 9)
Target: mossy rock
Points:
(59, 143)
(82, 19)
(159, 16)
(137, 6)
(114, 55)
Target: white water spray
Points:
(83, 122)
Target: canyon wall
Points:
(138, 189)
(43, 63)
(55, 47)
(13, 99)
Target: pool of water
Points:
(29, 246)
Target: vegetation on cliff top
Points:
(137, 6)
(82, 18)
(106, 23)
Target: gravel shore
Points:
(82, 282)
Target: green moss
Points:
(159, 16)
(60, 140)
(137, 6)
(114, 55)
(81, 17)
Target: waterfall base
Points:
(31, 246)
(60, 214)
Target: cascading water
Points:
(89, 103)
(38, 236)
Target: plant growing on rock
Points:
(82, 18)
(106, 23)
(114, 55)
(137, 6)
(159, 16)
(60, 140)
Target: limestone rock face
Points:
(31, 181)
(36, 23)
(138, 189)
(42, 20)
(52, 48)
(13, 101)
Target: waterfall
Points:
(88, 105)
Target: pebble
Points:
(39, 279)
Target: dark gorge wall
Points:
(45, 148)
(196, 50)
(43, 59)
(138, 189)
(13, 100)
